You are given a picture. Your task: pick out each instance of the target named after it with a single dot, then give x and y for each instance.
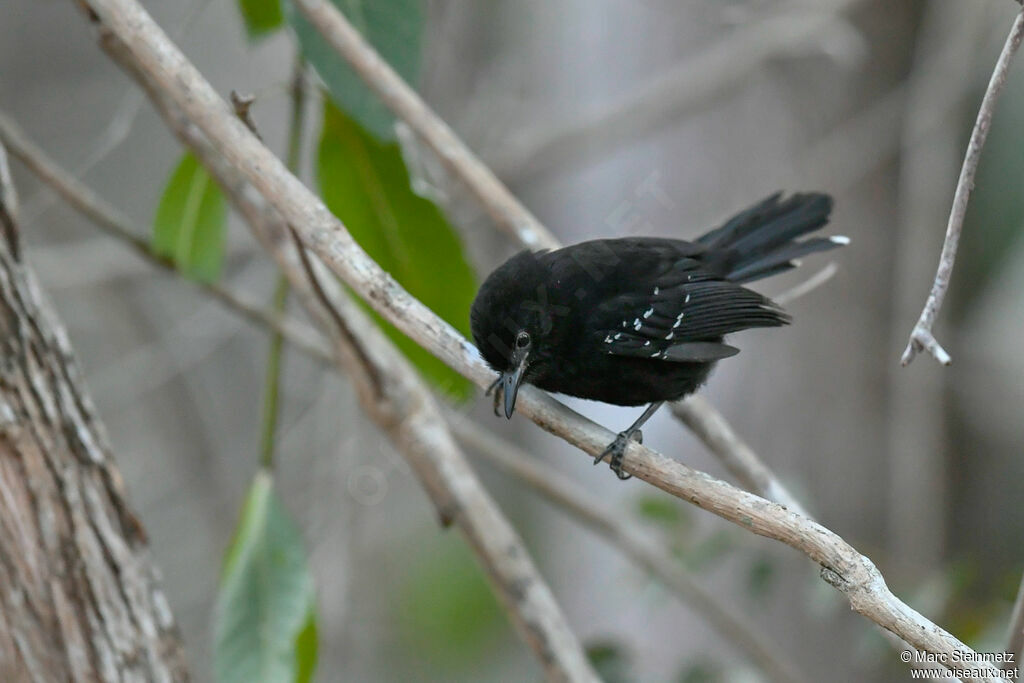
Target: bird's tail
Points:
(762, 240)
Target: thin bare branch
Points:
(842, 566)
(110, 221)
(922, 338)
(630, 538)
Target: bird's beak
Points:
(511, 379)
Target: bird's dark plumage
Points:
(639, 320)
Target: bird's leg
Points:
(497, 394)
(617, 449)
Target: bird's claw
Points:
(616, 450)
(497, 394)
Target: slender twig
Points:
(404, 409)
(152, 54)
(272, 381)
(921, 338)
(630, 538)
(293, 161)
(109, 220)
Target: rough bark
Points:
(80, 596)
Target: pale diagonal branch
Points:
(922, 338)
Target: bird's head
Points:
(513, 321)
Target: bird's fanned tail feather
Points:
(761, 241)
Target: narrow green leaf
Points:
(264, 624)
(261, 17)
(365, 183)
(393, 27)
(191, 221)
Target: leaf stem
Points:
(272, 384)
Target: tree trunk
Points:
(80, 596)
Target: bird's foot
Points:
(616, 451)
(497, 394)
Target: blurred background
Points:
(607, 118)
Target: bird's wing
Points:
(682, 321)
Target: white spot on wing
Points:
(656, 290)
(637, 324)
(837, 239)
(648, 312)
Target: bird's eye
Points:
(522, 340)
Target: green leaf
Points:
(191, 221)
(261, 17)
(265, 624)
(365, 183)
(393, 27)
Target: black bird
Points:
(638, 320)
